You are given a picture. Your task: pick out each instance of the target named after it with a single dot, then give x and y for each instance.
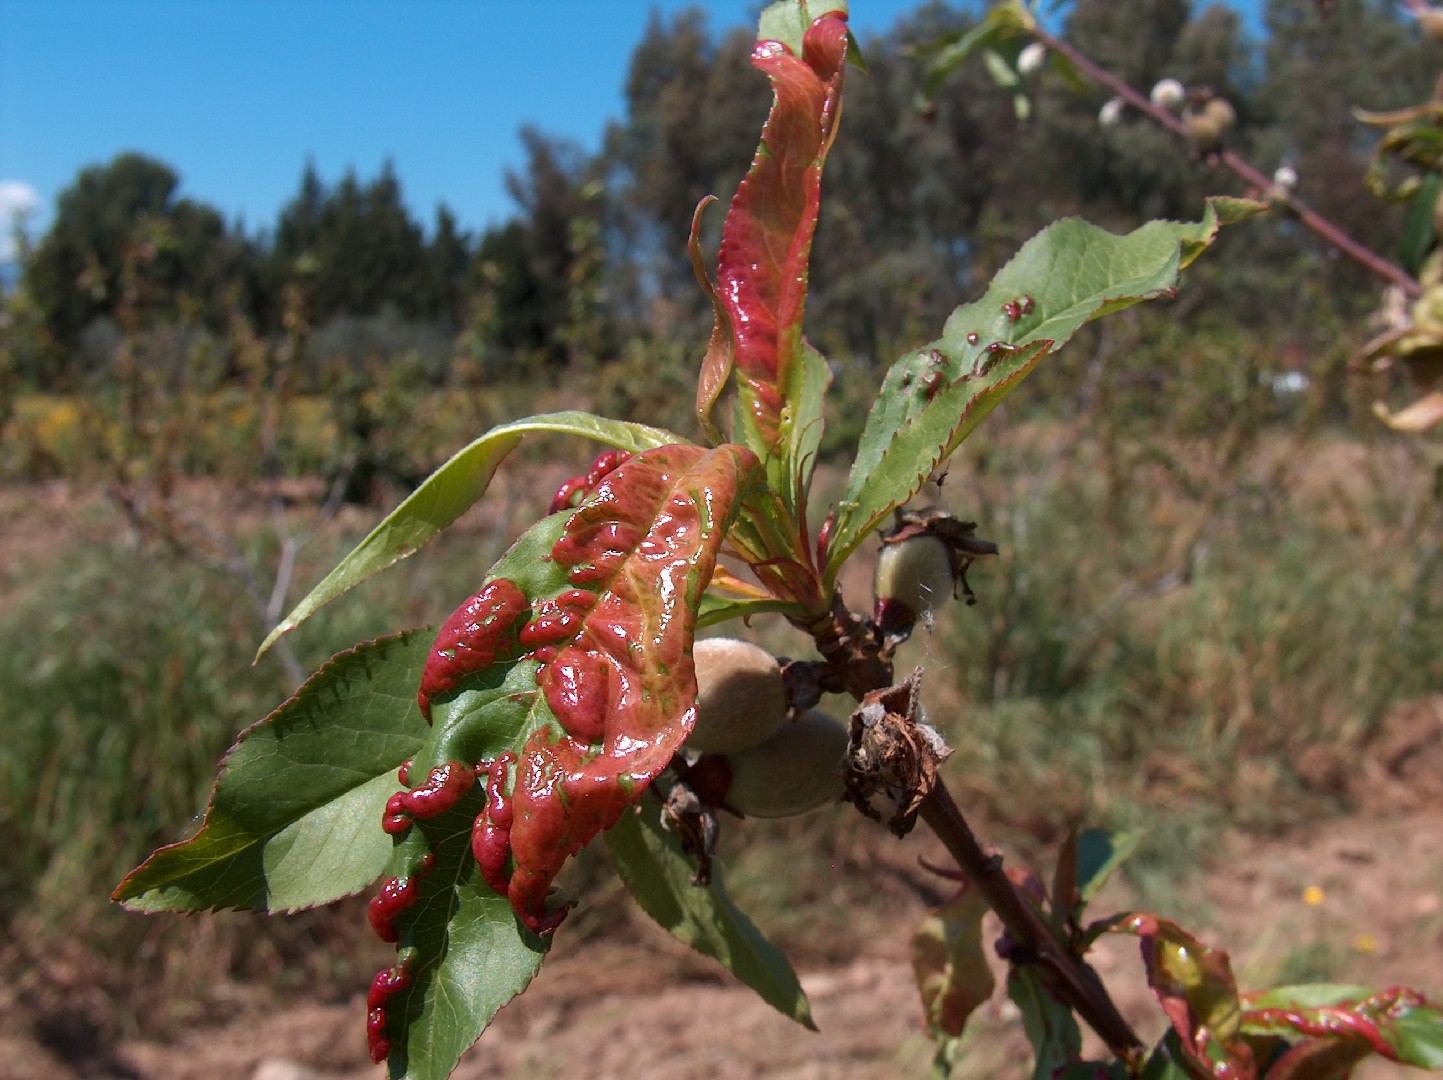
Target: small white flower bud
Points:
(1168, 94)
(1032, 58)
(1111, 112)
(1285, 176)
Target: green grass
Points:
(1076, 691)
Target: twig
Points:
(1310, 218)
(1070, 977)
(857, 659)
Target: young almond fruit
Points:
(796, 770)
(741, 699)
(914, 577)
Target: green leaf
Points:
(950, 963)
(1049, 1024)
(1099, 854)
(293, 821)
(718, 609)
(1419, 235)
(658, 874)
(448, 493)
(932, 399)
(1003, 22)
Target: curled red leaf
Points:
(616, 669)
(767, 239)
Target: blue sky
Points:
(237, 95)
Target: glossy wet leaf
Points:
(588, 724)
(933, 398)
(1398, 1024)
(448, 493)
(949, 962)
(659, 875)
(293, 821)
(1194, 984)
(767, 238)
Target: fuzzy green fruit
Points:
(796, 770)
(914, 578)
(741, 699)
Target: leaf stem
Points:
(1309, 217)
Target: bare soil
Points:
(1356, 899)
(1362, 897)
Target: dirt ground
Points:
(1363, 895)
(1359, 899)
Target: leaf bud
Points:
(798, 769)
(1208, 123)
(741, 698)
(914, 577)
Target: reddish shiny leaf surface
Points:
(767, 239)
(615, 652)
(1194, 985)
(1398, 1024)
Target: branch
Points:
(859, 664)
(1313, 220)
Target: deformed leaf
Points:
(659, 875)
(950, 963)
(767, 238)
(788, 20)
(1397, 1023)
(294, 820)
(562, 725)
(447, 494)
(933, 398)
(1194, 985)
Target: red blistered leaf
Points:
(767, 239)
(1398, 1023)
(478, 633)
(615, 648)
(1194, 985)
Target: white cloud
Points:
(18, 201)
